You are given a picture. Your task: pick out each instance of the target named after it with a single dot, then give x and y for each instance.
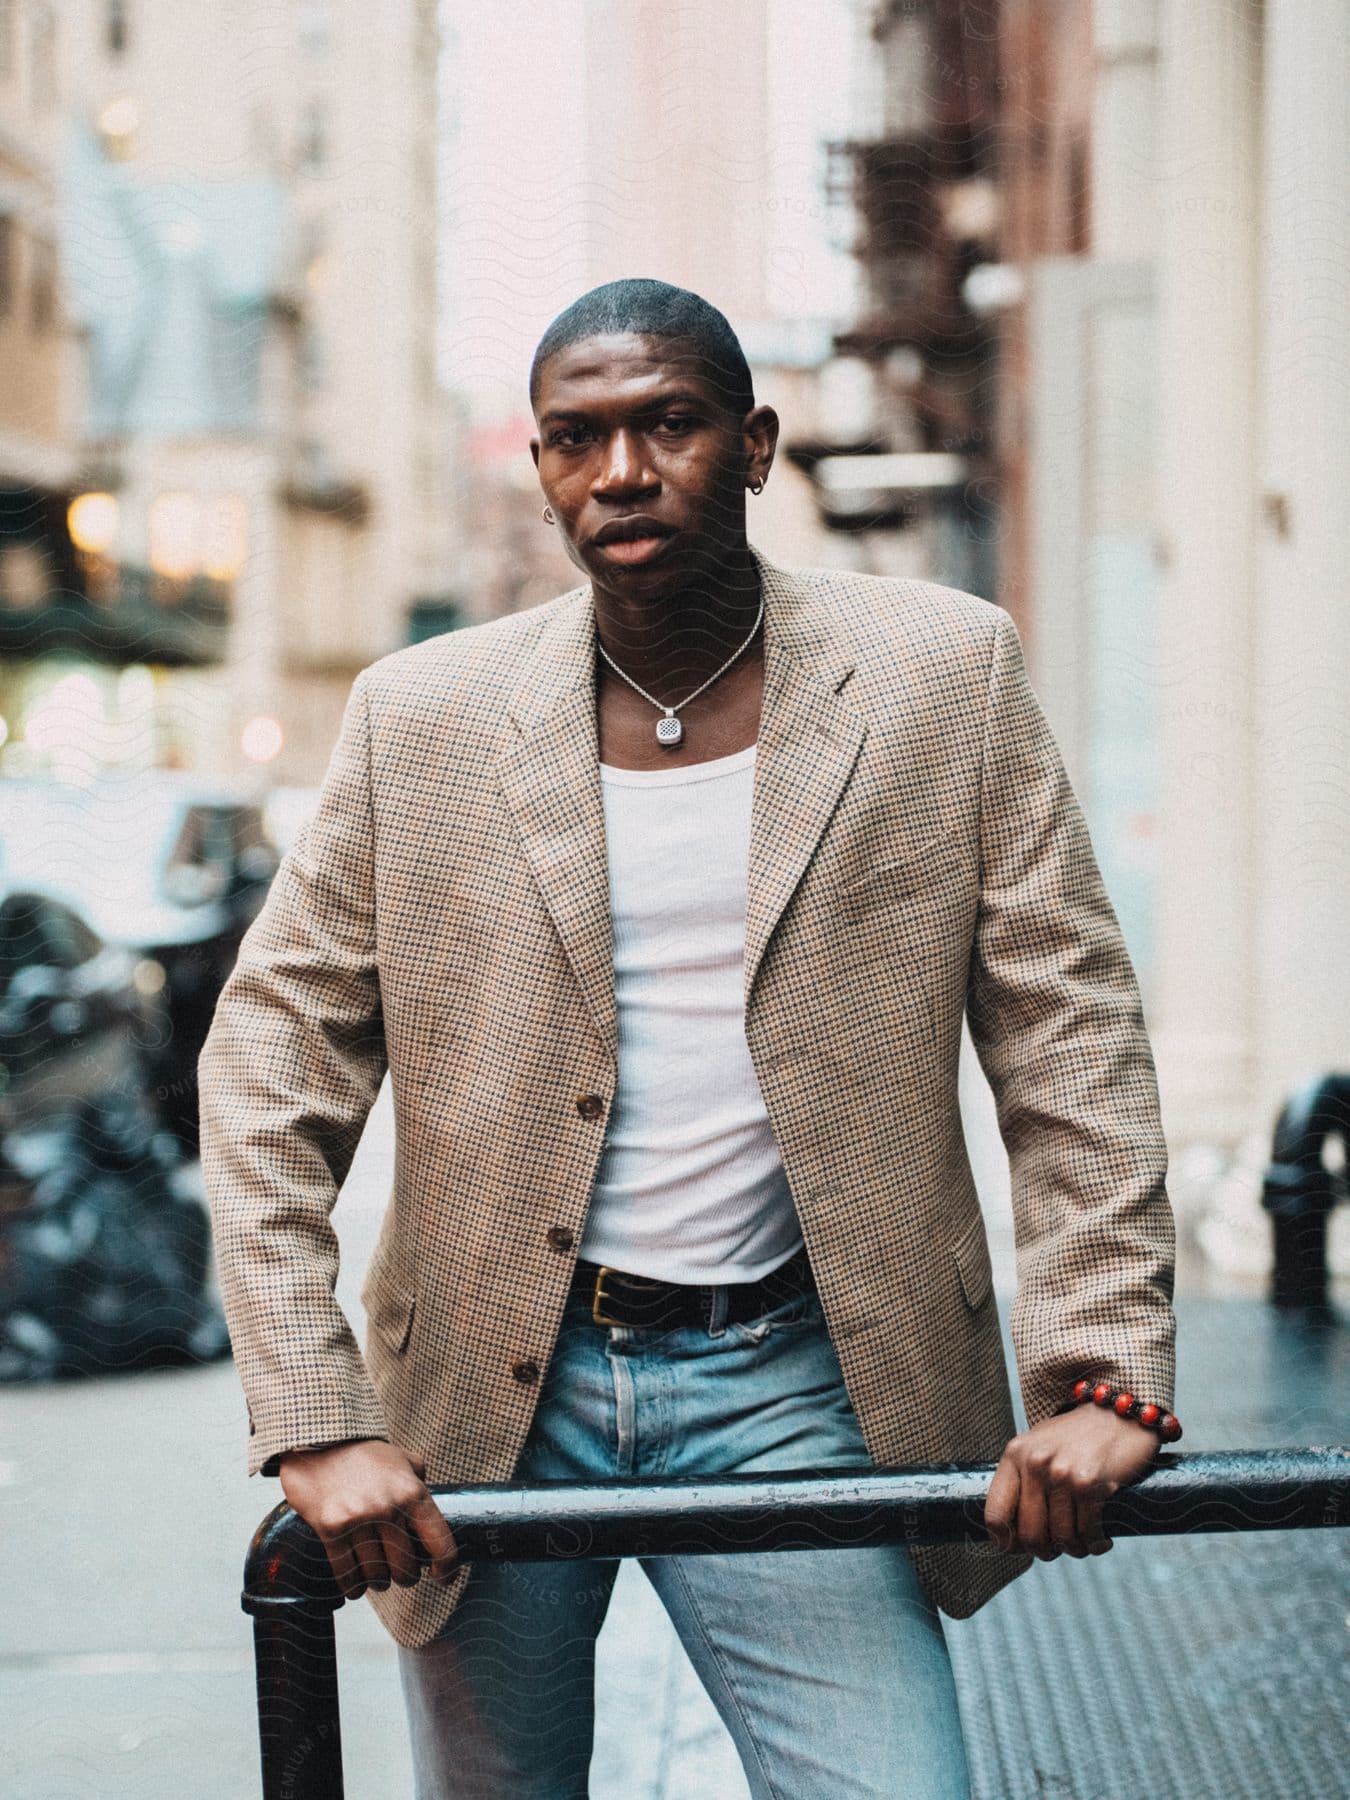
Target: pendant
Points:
(669, 730)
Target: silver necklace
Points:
(669, 729)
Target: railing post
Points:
(290, 1592)
(1299, 1191)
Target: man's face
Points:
(642, 462)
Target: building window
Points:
(117, 27)
(316, 26)
(7, 252)
(44, 56)
(43, 289)
(1080, 197)
(314, 259)
(311, 360)
(313, 136)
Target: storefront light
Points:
(148, 977)
(93, 521)
(261, 739)
(118, 123)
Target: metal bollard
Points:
(1299, 1191)
(290, 1592)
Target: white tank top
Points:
(690, 1186)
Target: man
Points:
(663, 904)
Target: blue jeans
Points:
(828, 1667)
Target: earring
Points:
(756, 487)
(548, 514)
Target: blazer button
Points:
(559, 1237)
(591, 1106)
(525, 1369)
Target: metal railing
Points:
(292, 1597)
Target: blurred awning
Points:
(881, 490)
(901, 471)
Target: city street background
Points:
(1052, 303)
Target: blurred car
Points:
(75, 1013)
(105, 1245)
(104, 1242)
(169, 867)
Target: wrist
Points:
(298, 1450)
(1090, 1391)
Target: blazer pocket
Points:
(902, 875)
(390, 1312)
(970, 1252)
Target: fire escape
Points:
(922, 202)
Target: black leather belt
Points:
(618, 1298)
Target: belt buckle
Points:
(598, 1294)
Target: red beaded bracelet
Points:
(1101, 1393)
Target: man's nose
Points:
(623, 467)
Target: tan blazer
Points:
(916, 855)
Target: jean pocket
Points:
(797, 1309)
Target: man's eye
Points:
(566, 433)
(678, 422)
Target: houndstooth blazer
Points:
(916, 854)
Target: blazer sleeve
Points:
(1057, 1021)
(288, 1074)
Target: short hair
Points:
(654, 309)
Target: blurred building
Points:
(910, 486)
(1174, 415)
(263, 499)
(1250, 123)
(40, 353)
(667, 170)
(1078, 414)
(1163, 298)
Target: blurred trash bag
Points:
(105, 1246)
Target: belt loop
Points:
(717, 1311)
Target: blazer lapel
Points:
(809, 739)
(550, 776)
(808, 744)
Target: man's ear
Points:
(760, 431)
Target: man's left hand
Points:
(1052, 1481)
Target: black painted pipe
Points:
(1299, 1191)
(290, 1591)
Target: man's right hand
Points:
(372, 1509)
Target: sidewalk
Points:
(1183, 1668)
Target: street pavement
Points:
(126, 1663)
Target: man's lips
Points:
(634, 550)
(631, 550)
